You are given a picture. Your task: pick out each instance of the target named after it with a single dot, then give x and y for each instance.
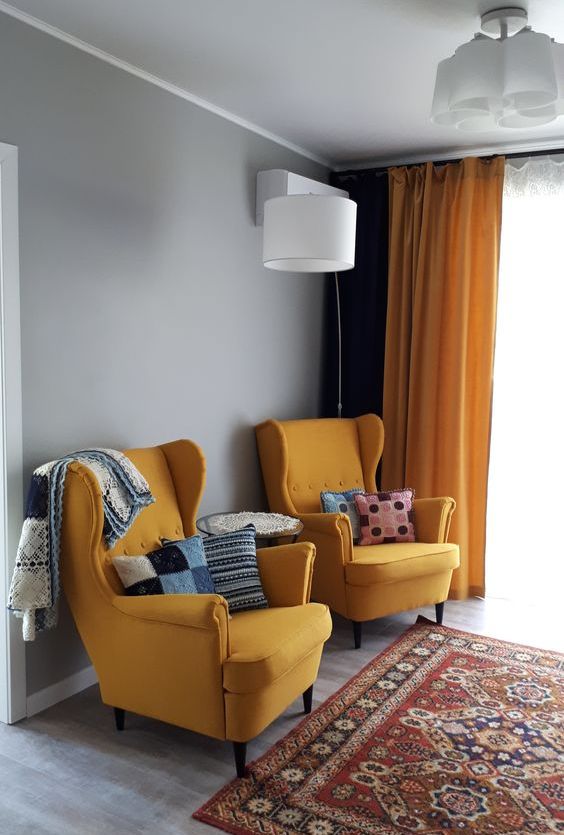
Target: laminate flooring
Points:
(66, 771)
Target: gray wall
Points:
(146, 312)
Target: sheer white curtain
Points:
(525, 523)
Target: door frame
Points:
(12, 648)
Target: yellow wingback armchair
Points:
(302, 458)
(179, 657)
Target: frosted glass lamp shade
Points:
(309, 233)
(476, 76)
(440, 113)
(515, 82)
(530, 80)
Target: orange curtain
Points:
(445, 225)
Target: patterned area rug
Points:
(444, 732)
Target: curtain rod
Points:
(383, 168)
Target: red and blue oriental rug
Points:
(445, 732)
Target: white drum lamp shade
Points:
(309, 233)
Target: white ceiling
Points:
(346, 80)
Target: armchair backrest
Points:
(301, 458)
(175, 473)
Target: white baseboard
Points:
(49, 696)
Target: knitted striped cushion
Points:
(232, 561)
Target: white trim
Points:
(454, 153)
(175, 90)
(55, 32)
(12, 676)
(64, 689)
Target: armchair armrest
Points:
(286, 572)
(330, 531)
(201, 611)
(432, 518)
(163, 655)
(193, 611)
(331, 534)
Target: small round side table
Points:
(269, 526)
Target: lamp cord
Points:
(339, 404)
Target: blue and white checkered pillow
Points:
(343, 502)
(176, 568)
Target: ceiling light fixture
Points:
(514, 79)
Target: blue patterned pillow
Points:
(176, 568)
(343, 502)
(232, 560)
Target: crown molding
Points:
(454, 153)
(180, 92)
(157, 81)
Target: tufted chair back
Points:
(164, 518)
(301, 458)
(175, 473)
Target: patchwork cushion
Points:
(343, 502)
(386, 517)
(232, 560)
(176, 568)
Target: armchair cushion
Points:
(265, 644)
(399, 561)
(176, 568)
(386, 517)
(343, 502)
(232, 560)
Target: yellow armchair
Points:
(302, 458)
(180, 658)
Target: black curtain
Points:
(363, 295)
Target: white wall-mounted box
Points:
(279, 183)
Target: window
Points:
(525, 524)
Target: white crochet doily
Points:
(266, 524)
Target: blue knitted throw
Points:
(34, 591)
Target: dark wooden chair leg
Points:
(119, 716)
(308, 696)
(357, 631)
(240, 751)
(439, 611)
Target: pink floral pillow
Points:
(386, 516)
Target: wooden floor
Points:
(68, 771)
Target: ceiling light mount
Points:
(505, 22)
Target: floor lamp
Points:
(311, 233)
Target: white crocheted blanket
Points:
(34, 591)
